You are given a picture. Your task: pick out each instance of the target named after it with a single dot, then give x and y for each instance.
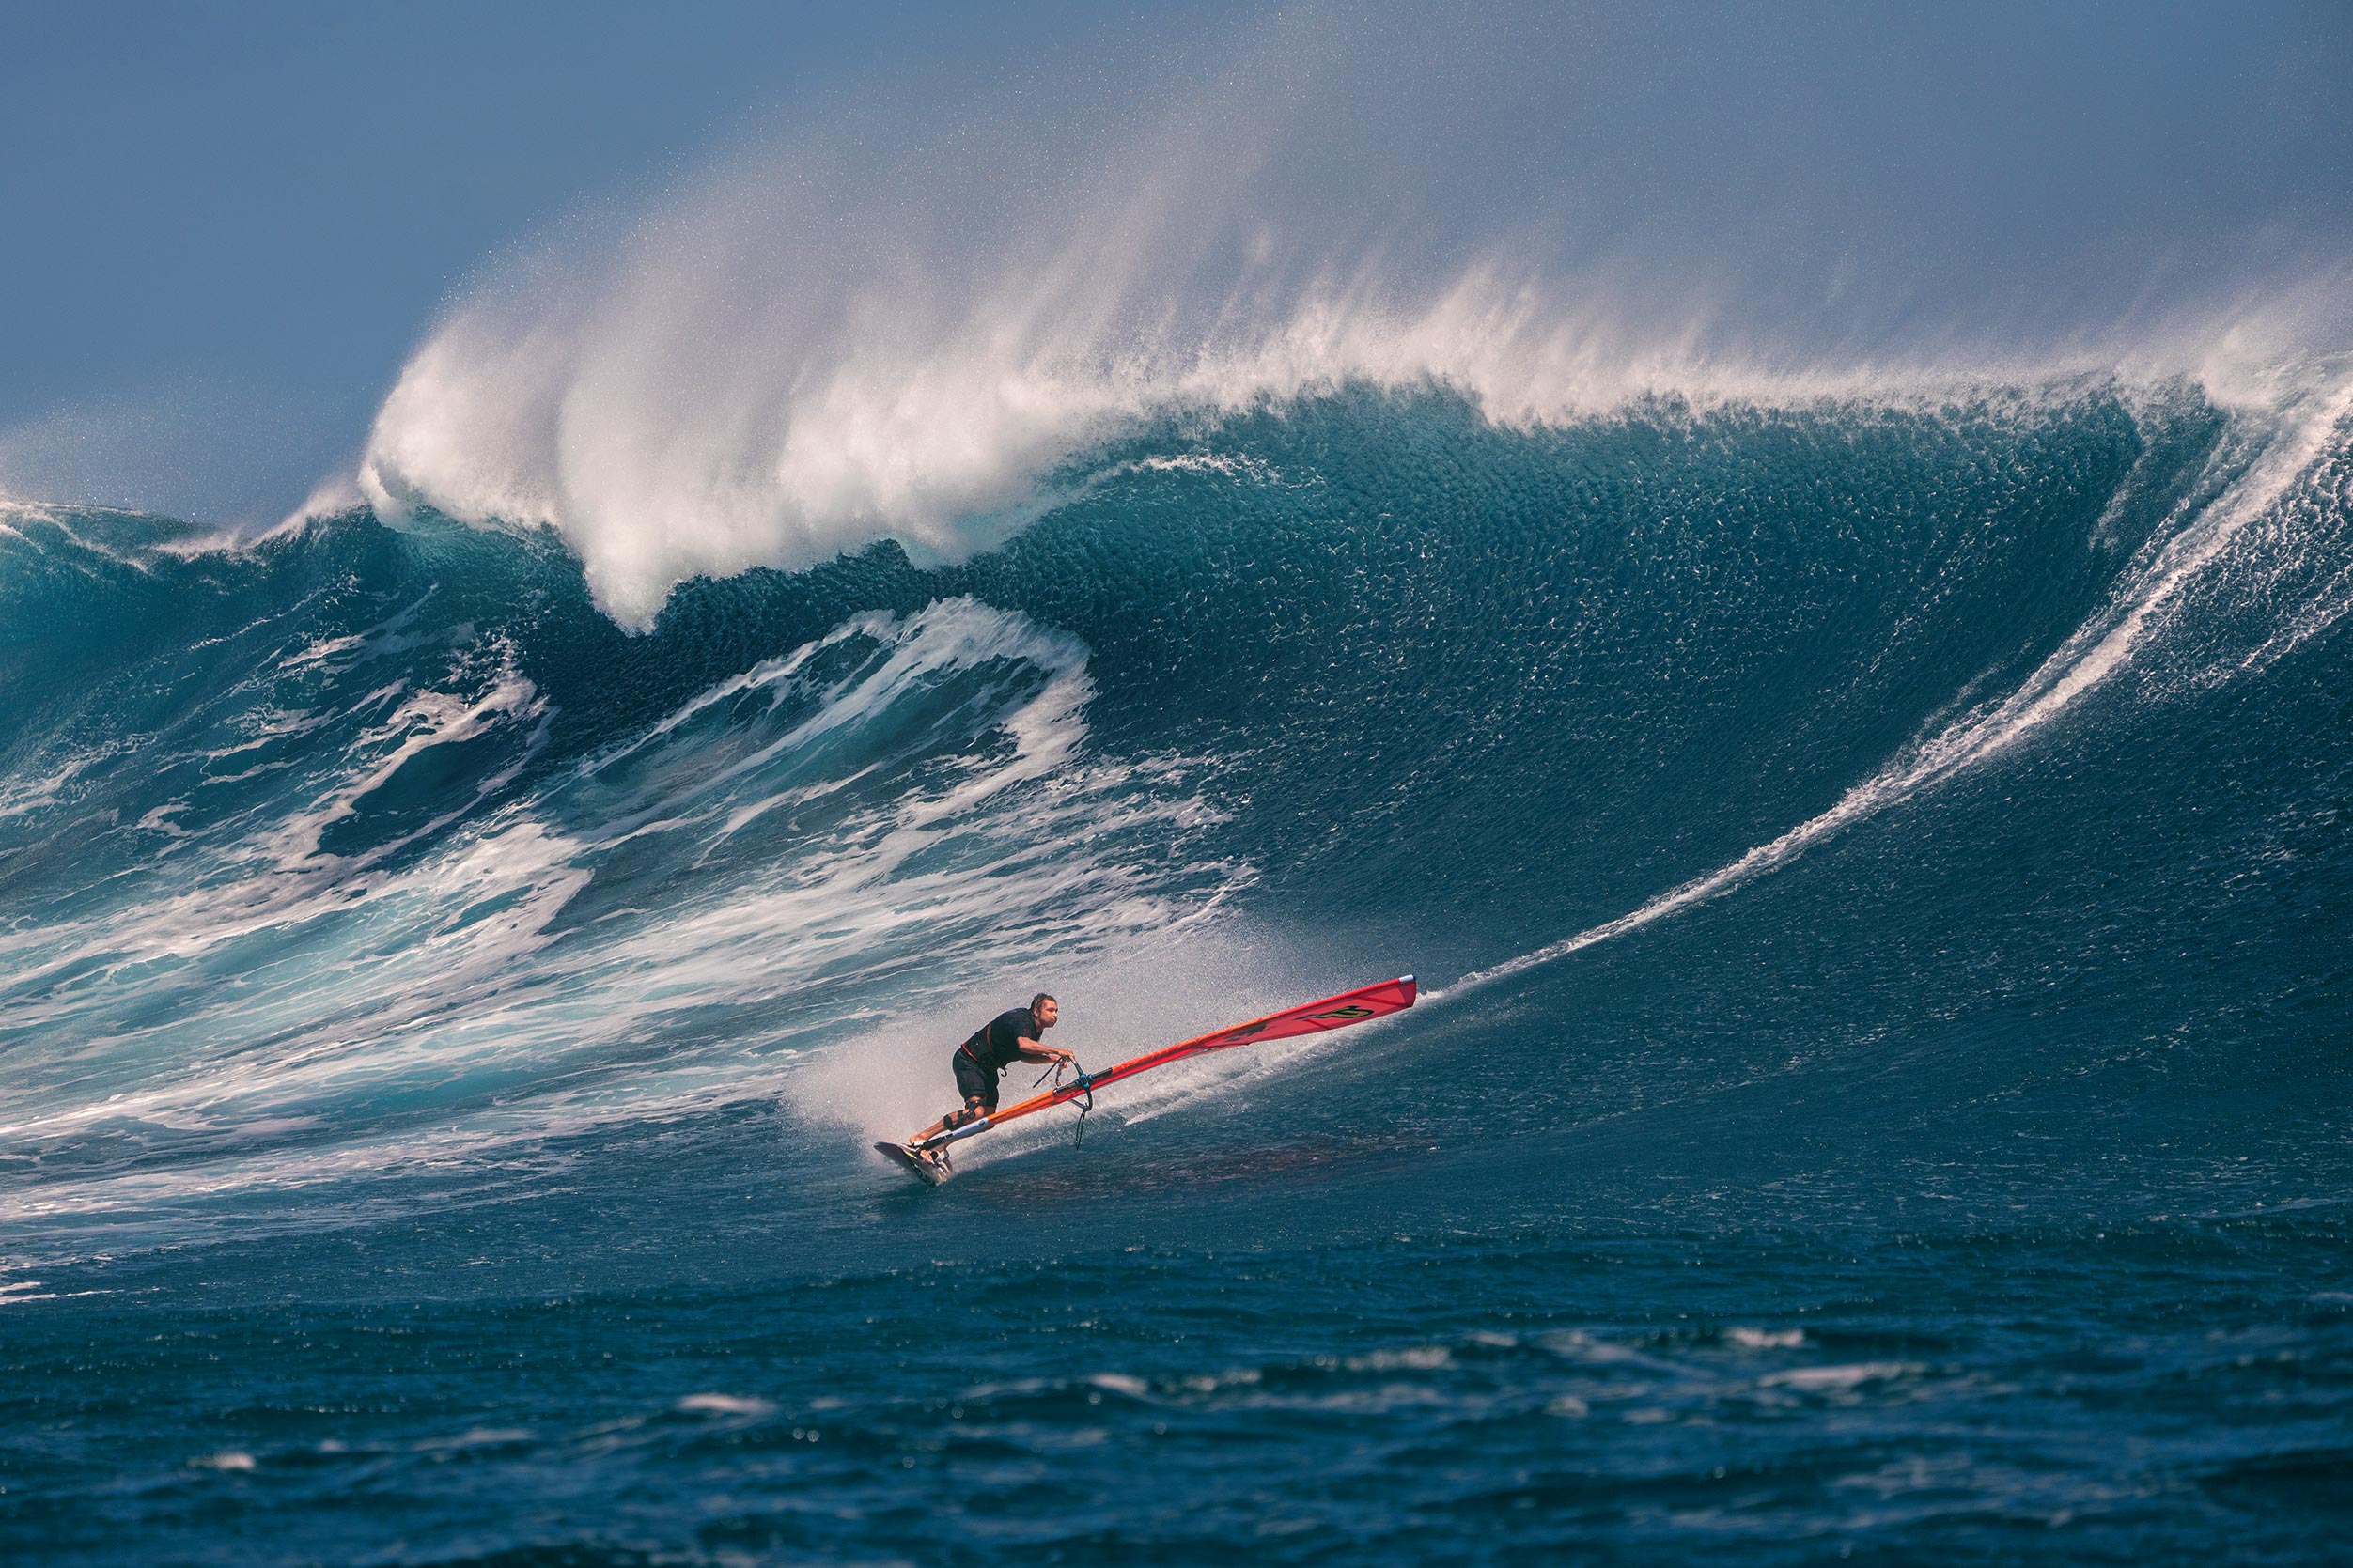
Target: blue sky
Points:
(229, 222)
(228, 225)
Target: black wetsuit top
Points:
(997, 1044)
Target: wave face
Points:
(1879, 862)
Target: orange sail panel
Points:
(1314, 1017)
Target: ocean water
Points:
(1876, 863)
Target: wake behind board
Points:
(929, 1173)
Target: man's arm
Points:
(1037, 1051)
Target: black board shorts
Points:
(974, 1081)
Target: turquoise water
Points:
(1877, 866)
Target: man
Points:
(1014, 1035)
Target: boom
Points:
(1314, 1017)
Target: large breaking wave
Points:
(360, 854)
(1185, 543)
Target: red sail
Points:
(1314, 1017)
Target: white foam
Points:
(1121, 1383)
(1841, 1379)
(726, 1405)
(982, 855)
(228, 1459)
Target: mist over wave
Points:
(906, 327)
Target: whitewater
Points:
(1869, 816)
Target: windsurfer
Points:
(1017, 1034)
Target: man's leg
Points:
(952, 1120)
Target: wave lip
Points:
(893, 335)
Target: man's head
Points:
(1046, 1008)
